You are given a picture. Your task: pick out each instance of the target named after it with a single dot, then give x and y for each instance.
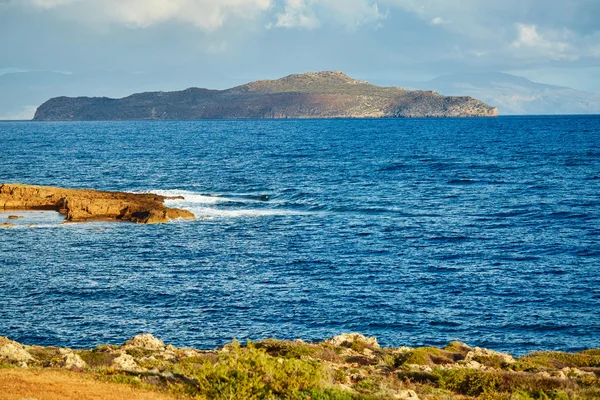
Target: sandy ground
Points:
(20, 384)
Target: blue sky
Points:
(220, 43)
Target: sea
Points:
(416, 231)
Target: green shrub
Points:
(426, 356)
(250, 373)
(95, 358)
(467, 381)
(558, 360)
(297, 349)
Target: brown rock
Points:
(14, 217)
(85, 205)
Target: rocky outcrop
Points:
(126, 362)
(70, 360)
(329, 94)
(353, 339)
(14, 352)
(87, 205)
(146, 341)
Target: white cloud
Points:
(205, 14)
(529, 37)
(297, 14)
(353, 13)
(311, 14)
(472, 24)
(438, 21)
(553, 45)
(210, 15)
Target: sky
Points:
(222, 43)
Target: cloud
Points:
(438, 21)
(210, 15)
(312, 14)
(297, 14)
(561, 44)
(467, 31)
(207, 15)
(530, 39)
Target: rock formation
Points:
(87, 205)
(310, 95)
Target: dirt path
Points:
(20, 384)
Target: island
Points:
(330, 94)
(80, 205)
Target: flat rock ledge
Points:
(80, 205)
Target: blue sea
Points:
(416, 231)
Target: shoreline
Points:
(83, 205)
(348, 366)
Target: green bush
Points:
(558, 360)
(250, 373)
(95, 358)
(426, 356)
(467, 381)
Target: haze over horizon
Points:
(115, 48)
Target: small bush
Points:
(43, 355)
(467, 381)
(558, 360)
(96, 358)
(297, 349)
(493, 361)
(426, 356)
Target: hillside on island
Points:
(309, 95)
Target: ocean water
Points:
(419, 232)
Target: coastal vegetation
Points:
(346, 367)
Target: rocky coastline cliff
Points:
(345, 367)
(79, 205)
(309, 95)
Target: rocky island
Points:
(309, 95)
(345, 367)
(80, 205)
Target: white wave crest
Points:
(207, 212)
(207, 206)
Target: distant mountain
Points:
(515, 95)
(310, 95)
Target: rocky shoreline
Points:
(80, 205)
(348, 366)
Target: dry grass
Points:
(25, 384)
